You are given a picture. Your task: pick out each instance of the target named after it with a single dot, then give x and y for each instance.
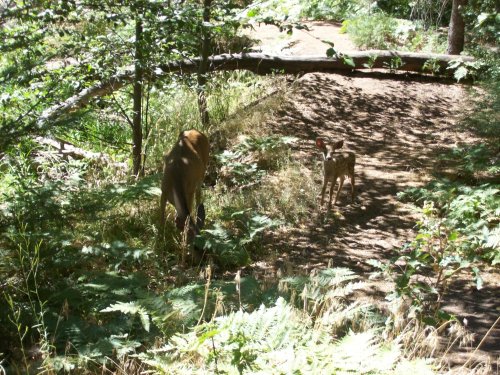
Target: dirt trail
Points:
(396, 127)
(302, 42)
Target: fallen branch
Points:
(262, 64)
(65, 149)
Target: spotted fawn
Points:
(336, 165)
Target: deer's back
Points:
(185, 164)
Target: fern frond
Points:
(131, 308)
(278, 339)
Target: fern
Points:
(131, 308)
(278, 339)
(325, 295)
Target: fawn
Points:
(183, 174)
(336, 165)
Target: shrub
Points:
(380, 31)
(336, 10)
(372, 32)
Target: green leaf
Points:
(348, 61)
(460, 73)
(208, 334)
(331, 52)
(131, 308)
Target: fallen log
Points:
(65, 149)
(263, 64)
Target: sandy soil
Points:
(396, 127)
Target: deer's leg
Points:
(341, 183)
(325, 182)
(331, 192)
(352, 187)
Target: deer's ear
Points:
(339, 144)
(320, 143)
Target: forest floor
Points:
(397, 126)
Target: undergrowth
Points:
(89, 286)
(459, 229)
(381, 31)
(287, 339)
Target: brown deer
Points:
(183, 173)
(336, 165)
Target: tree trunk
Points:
(203, 67)
(456, 31)
(137, 119)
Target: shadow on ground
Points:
(396, 127)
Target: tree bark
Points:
(264, 64)
(456, 31)
(65, 149)
(137, 118)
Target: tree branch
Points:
(261, 64)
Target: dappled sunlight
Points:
(396, 129)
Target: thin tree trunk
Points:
(137, 119)
(203, 68)
(456, 31)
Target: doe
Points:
(183, 173)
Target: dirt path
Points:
(302, 42)
(396, 127)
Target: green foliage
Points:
(459, 228)
(31, 308)
(274, 339)
(80, 280)
(469, 212)
(485, 117)
(432, 66)
(248, 160)
(371, 61)
(483, 21)
(462, 69)
(438, 252)
(44, 200)
(396, 8)
(430, 13)
(459, 231)
(54, 51)
(279, 12)
(394, 64)
(335, 10)
(475, 161)
(372, 32)
(83, 213)
(381, 31)
(232, 244)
